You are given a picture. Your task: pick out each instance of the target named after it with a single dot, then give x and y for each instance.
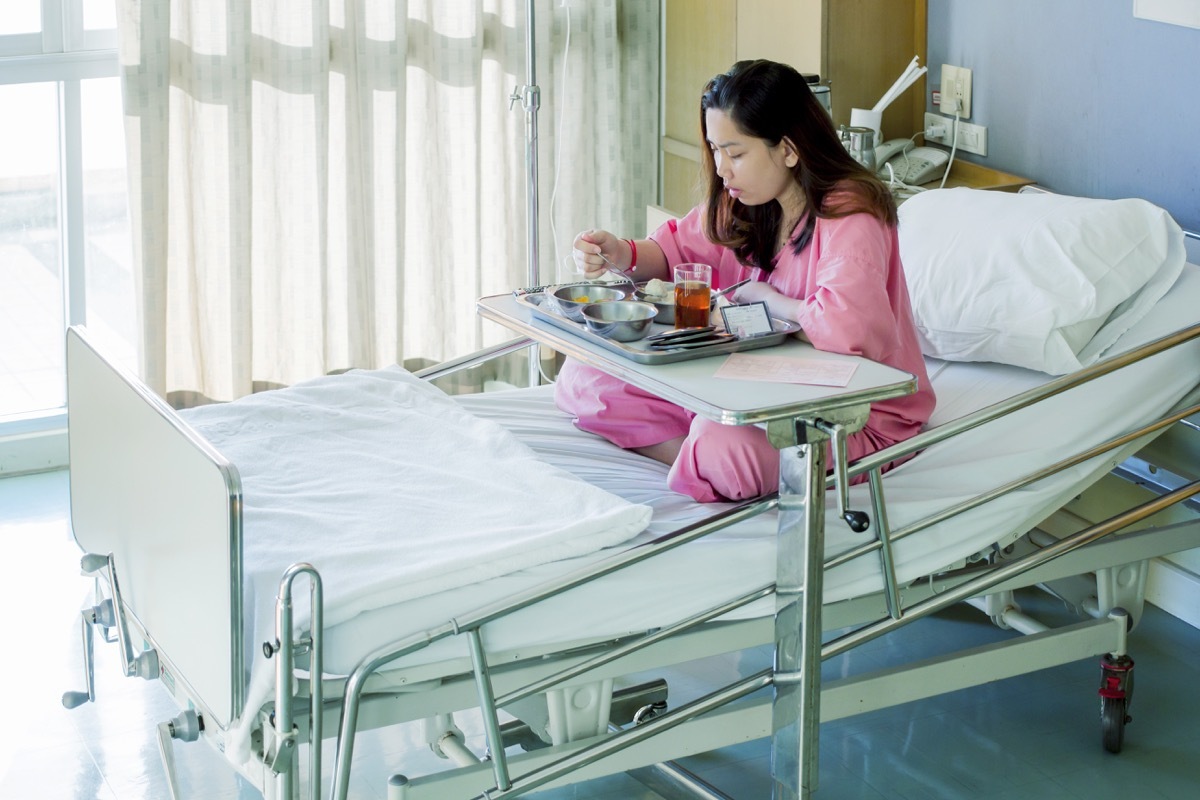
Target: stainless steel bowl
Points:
(620, 320)
(572, 298)
(666, 309)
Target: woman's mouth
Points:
(734, 193)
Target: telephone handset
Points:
(888, 150)
(909, 164)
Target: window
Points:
(65, 252)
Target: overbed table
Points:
(794, 415)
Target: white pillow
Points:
(1042, 281)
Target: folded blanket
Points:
(391, 490)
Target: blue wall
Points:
(1079, 95)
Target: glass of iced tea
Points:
(693, 295)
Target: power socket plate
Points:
(956, 90)
(971, 138)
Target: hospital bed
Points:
(200, 526)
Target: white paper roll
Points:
(863, 118)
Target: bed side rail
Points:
(474, 359)
(473, 622)
(886, 536)
(1023, 400)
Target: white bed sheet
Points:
(391, 491)
(732, 562)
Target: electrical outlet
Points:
(971, 138)
(956, 90)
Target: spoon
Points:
(567, 259)
(614, 268)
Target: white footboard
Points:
(167, 506)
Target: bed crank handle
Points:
(100, 614)
(858, 521)
(186, 727)
(109, 615)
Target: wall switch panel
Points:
(971, 138)
(956, 90)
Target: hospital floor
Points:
(1036, 736)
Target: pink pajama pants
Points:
(716, 462)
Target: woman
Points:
(788, 207)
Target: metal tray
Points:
(640, 351)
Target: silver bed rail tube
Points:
(1020, 401)
(285, 652)
(614, 653)
(631, 736)
(474, 359)
(356, 681)
(1012, 568)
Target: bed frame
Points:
(157, 512)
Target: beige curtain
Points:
(318, 186)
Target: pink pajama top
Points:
(855, 301)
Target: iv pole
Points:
(531, 96)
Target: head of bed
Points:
(167, 506)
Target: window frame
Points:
(63, 53)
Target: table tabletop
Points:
(692, 384)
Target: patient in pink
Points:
(815, 231)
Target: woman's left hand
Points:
(753, 292)
(779, 304)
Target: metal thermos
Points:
(861, 144)
(820, 91)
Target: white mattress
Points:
(732, 562)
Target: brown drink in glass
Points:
(693, 295)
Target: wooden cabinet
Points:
(860, 47)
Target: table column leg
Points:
(796, 708)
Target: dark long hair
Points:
(769, 100)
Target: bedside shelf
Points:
(964, 173)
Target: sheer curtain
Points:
(322, 185)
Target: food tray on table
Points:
(543, 308)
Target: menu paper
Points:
(785, 369)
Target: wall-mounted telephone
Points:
(909, 164)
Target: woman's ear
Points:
(791, 156)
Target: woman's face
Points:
(753, 171)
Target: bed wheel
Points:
(1112, 722)
(1116, 693)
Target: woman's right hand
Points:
(587, 249)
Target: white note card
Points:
(785, 369)
(747, 319)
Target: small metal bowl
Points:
(572, 298)
(666, 308)
(620, 320)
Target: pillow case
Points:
(1037, 280)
